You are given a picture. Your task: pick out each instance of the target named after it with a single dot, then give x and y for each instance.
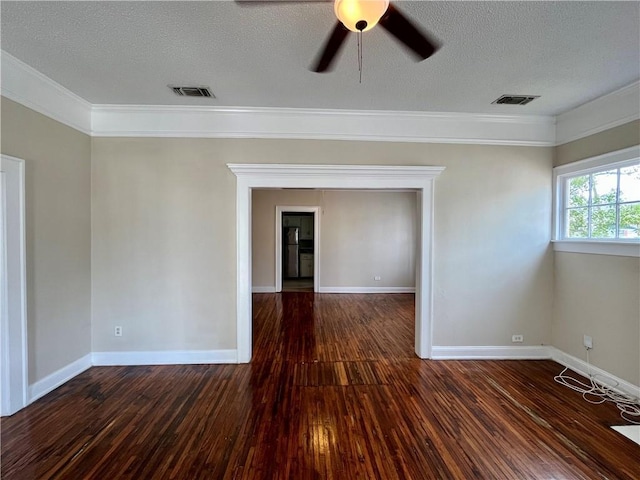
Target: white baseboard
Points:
(583, 368)
(367, 290)
(540, 352)
(164, 357)
(56, 379)
(263, 289)
(53, 381)
(533, 353)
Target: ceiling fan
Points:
(360, 16)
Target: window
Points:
(603, 205)
(597, 201)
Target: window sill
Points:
(621, 249)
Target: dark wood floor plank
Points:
(334, 391)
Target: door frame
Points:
(280, 209)
(14, 380)
(325, 177)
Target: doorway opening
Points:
(13, 314)
(260, 176)
(297, 263)
(298, 251)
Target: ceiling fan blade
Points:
(331, 48)
(408, 34)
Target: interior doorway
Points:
(260, 176)
(297, 264)
(297, 252)
(13, 316)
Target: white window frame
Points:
(601, 163)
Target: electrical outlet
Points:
(587, 342)
(377, 278)
(517, 338)
(118, 331)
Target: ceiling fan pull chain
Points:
(359, 35)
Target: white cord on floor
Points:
(603, 390)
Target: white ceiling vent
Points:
(515, 99)
(192, 91)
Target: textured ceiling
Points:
(127, 53)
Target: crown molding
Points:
(616, 108)
(290, 123)
(27, 86)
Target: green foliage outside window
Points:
(604, 204)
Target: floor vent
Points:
(515, 99)
(192, 91)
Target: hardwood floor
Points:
(297, 284)
(334, 392)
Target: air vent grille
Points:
(515, 99)
(192, 91)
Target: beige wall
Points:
(493, 261)
(164, 262)
(363, 235)
(164, 246)
(599, 295)
(58, 235)
(617, 138)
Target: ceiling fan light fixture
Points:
(360, 15)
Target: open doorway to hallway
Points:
(297, 251)
(297, 242)
(274, 177)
